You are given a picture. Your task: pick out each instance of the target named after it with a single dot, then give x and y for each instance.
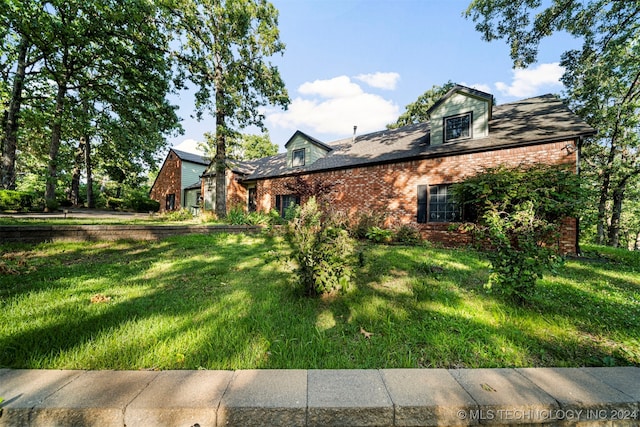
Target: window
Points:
(441, 206)
(297, 158)
(435, 204)
(284, 202)
(457, 127)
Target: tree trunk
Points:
(616, 215)
(74, 195)
(602, 209)
(91, 203)
(220, 159)
(614, 228)
(10, 143)
(221, 181)
(54, 147)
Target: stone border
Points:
(386, 397)
(48, 233)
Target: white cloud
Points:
(338, 87)
(478, 86)
(530, 81)
(190, 146)
(339, 105)
(380, 80)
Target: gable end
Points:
(304, 150)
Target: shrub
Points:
(140, 202)
(366, 221)
(114, 203)
(208, 216)
(516, 251)
(179, 215)
(324, 253)
(379, 235)
(52, 204)
(236, 216)
(407, 234)
(11, 200)
(518, 213)
(275, 218)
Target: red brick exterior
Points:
(168, 182)
(392, 188)
(236, 193)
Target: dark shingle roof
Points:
(195, 185)
(530, 121)
(310, 139)
(191, 157)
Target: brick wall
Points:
(168, 182)
(392, 188)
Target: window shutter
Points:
(422, 203)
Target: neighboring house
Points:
(407, 172)
(178, 184)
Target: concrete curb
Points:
(386, 397)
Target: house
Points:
(178, 182)
(407, 172)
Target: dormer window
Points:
(457, 127)
(297, 158)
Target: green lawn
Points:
(224, 302)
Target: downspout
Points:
(579, 143)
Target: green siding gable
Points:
(312, 151)
(460, 103)
(191, 173)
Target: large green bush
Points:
(517, 214)
(11, 200)
(140, 202)
(324, 253)
(238, 216)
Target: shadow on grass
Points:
(216, 302)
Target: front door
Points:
(251, 203)
(171, 202)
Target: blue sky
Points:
(360, 62)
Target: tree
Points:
(90, 58)
(604, 88)
(225, 46)
(517, 217)
(416, 112)
(243, 146)
(18, 55)
(602, 80)
(251, 147)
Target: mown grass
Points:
(224, 302)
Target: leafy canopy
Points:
(416, 112)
